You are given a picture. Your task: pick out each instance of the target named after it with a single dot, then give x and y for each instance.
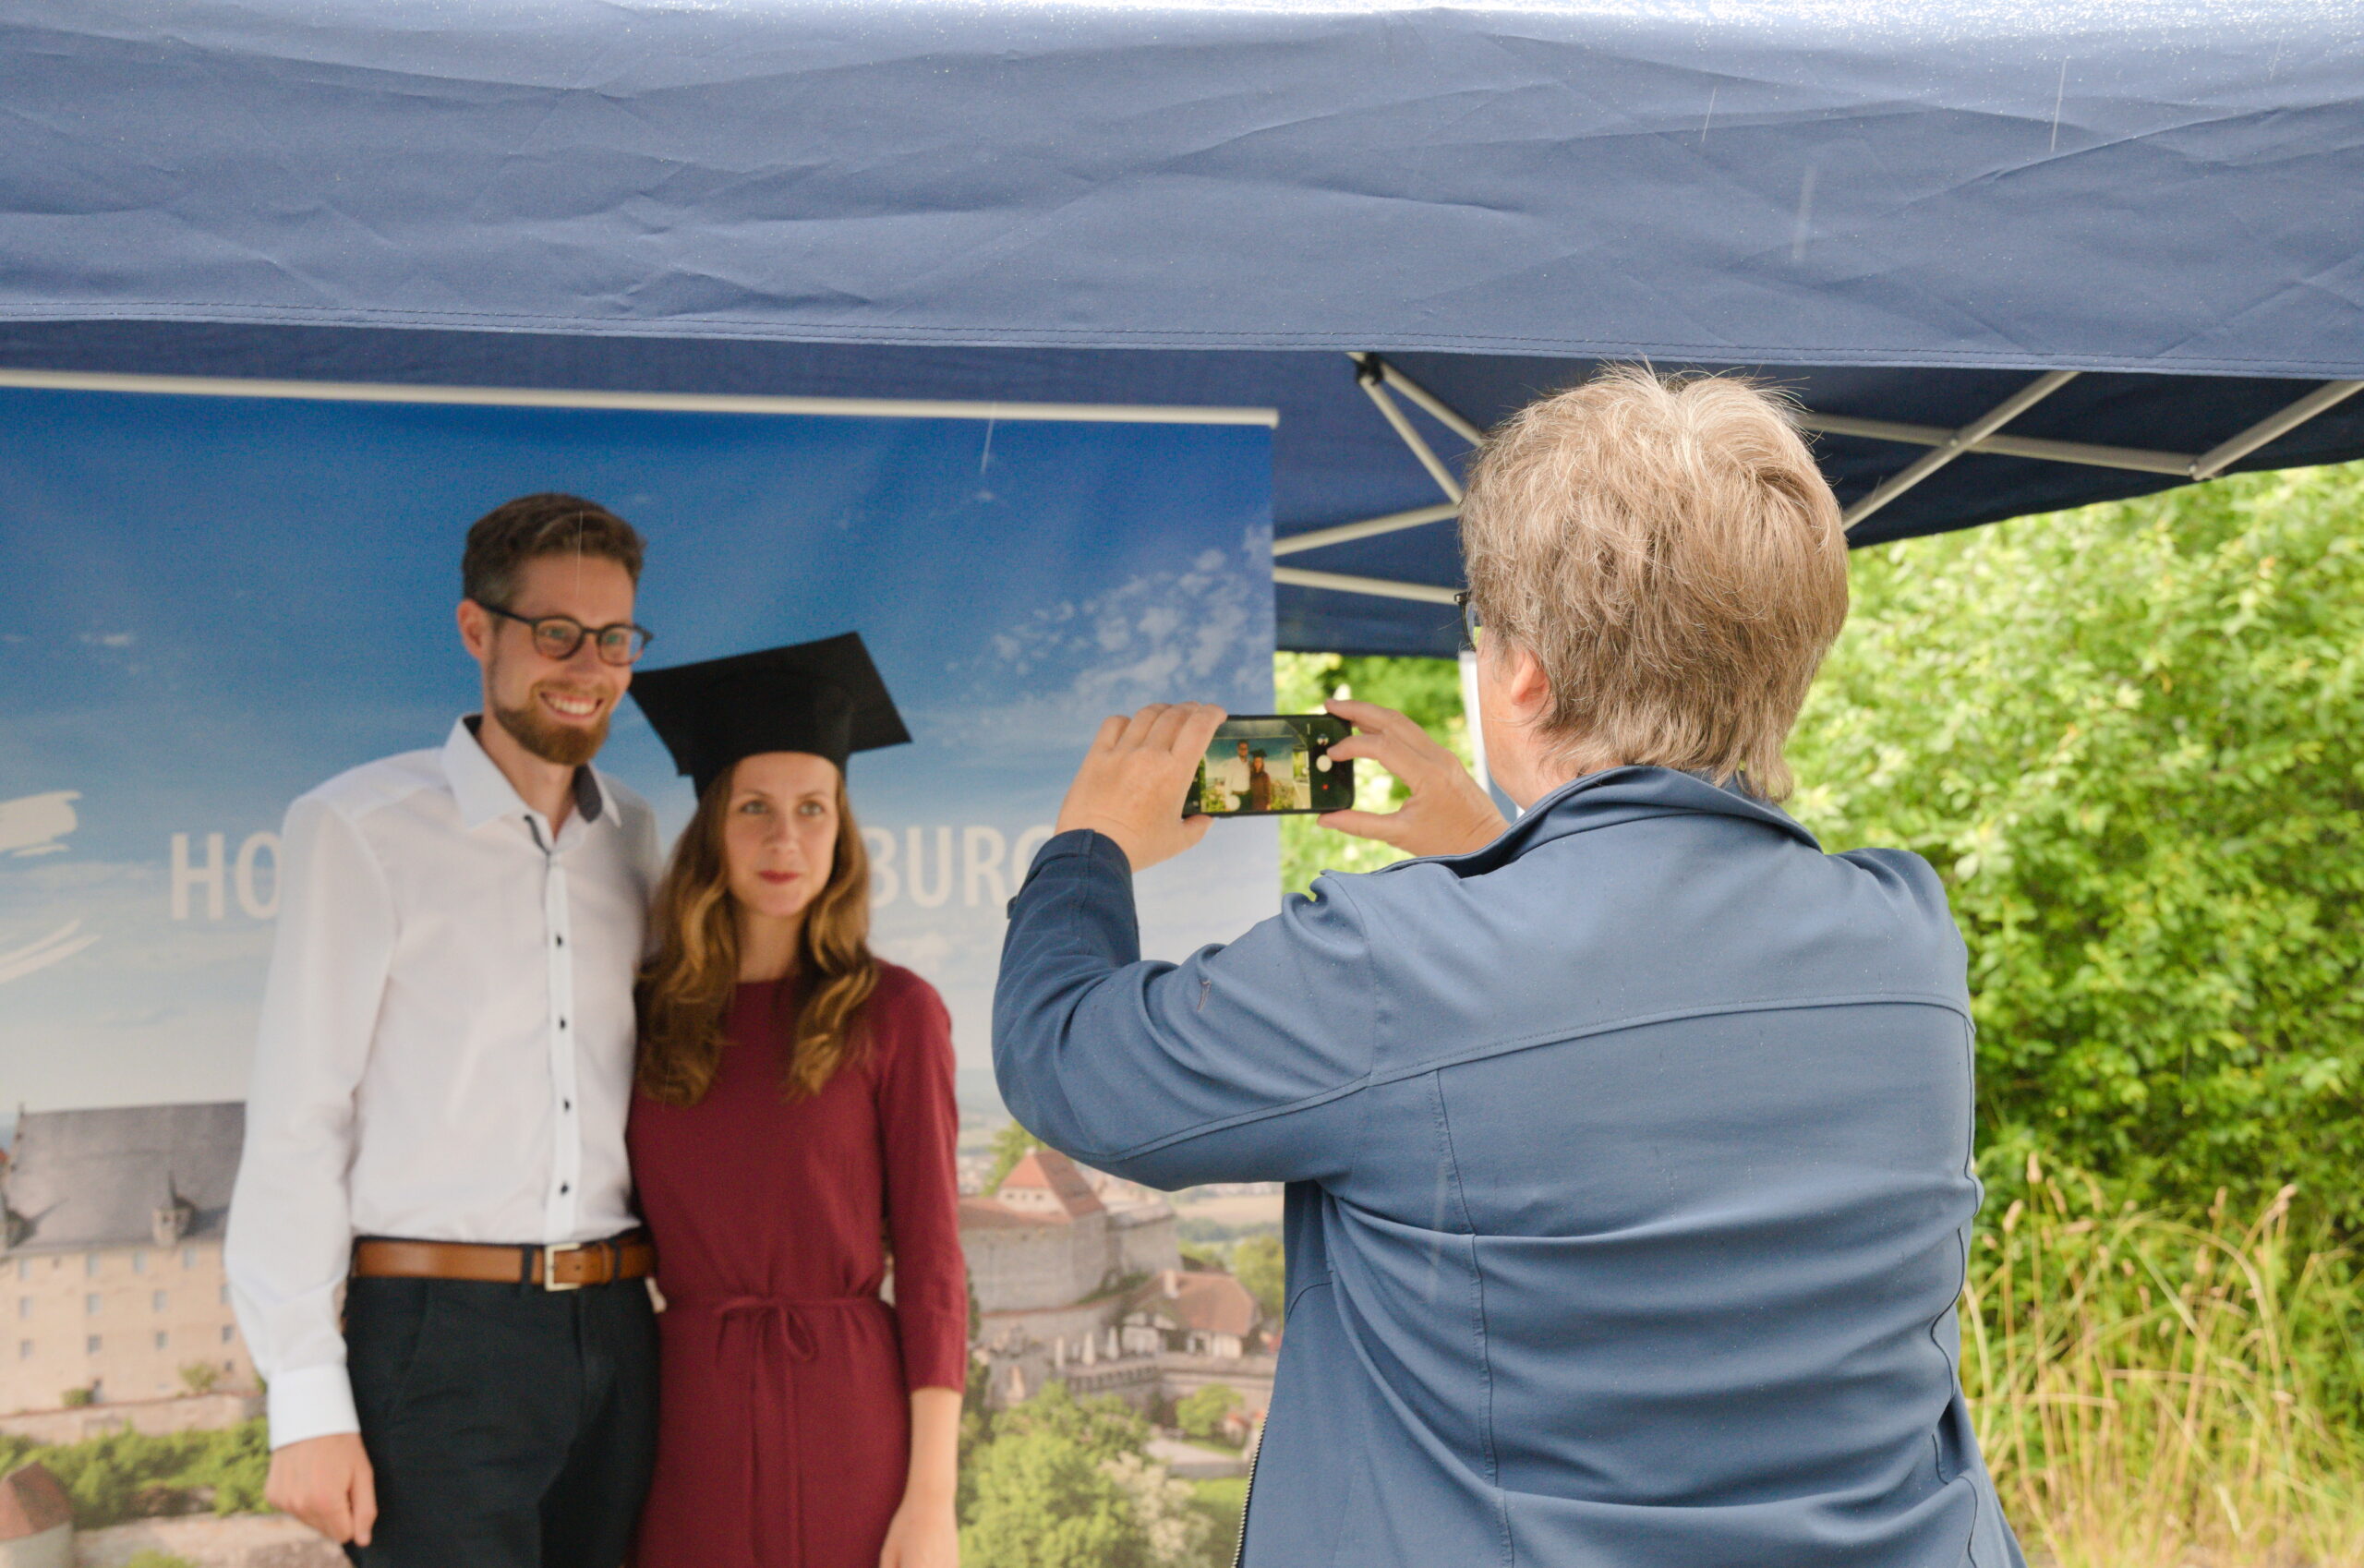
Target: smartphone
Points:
(1274, 765)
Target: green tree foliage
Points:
(1201, 1414)
(122, 1475)
(1058, 1482)
(1101, 1427)
(1041, 1501)
(2128, 739)
(1011, 1144)
(1258, 1263)
(1428, 690)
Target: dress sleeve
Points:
(919, 1124)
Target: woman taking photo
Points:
(792, 1137)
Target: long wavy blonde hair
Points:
(685, 988)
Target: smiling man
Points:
(435, 1132)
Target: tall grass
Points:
(2157, 1394)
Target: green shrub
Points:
(1201, 1414)
(2128, 739)
(1040, 1499)
(122, 1475)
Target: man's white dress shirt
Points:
(446, 1047)
(1228, 775)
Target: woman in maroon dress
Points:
(793, 1134)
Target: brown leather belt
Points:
(570, 1267)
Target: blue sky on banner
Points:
(215, 603)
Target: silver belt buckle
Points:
(550, 1266)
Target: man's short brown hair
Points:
(1670, 552)
(517, 531)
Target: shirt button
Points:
(566, 1105)
(561, 941)
(562, 1023)
(563, 1189)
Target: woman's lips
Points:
(778, 878)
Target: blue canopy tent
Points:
(2009, 257)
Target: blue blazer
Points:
(1630, 1181)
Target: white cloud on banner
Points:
(1157, 638)
(34, 825)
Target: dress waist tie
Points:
(770, 1335)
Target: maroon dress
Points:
(784, 1429)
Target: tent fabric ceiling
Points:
(1902, 211)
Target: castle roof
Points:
(1047, 1174)
(987, 1213)
(1208, 1301)
(30, 1504)
(83, 1179)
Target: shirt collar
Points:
(1619, 795)
(485, 793)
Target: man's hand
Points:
(326, 1482)
(1448, 813)
(1137, 775)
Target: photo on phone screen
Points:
(1272, 765)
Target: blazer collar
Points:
(485, 793)
(1619, 795)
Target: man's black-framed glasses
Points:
(557, 636)
(1472, 623)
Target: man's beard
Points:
(568, 745)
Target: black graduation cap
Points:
(825, 698)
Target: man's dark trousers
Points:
(508, 1426)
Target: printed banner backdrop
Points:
(212, 603)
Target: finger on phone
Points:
(1380, 826)
(1202, 725)
(1168, 724)
(1390, 754)
(1144, 720)
(1365, 715)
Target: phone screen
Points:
(1271, 765)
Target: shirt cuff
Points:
(311, 1402)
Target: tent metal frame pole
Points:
(1375, 376)
(1437, 408)
(1375, 383)
(1382, 587)
(2139, 459)
(1960, 442)
(1369, 527)
(637, 402)
(2328, 395)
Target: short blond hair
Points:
(1670, 554)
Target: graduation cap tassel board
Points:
(825, 698)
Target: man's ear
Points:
(476, 631)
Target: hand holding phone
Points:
(1272, 765)
(1136, 766)
(1449, 812)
